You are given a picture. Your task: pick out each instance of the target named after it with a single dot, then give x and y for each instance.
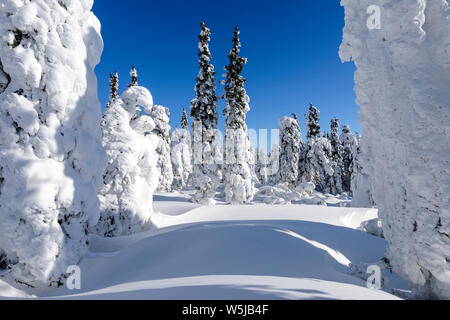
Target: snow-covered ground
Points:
(232, 252)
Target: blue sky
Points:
(292, 47)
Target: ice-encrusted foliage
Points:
(348, 141)
(402, 85)
(131, 176)
(161, 117)
(290, 148)
(206, 172)
(239, 180)
(51, 157)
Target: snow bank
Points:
(131, 176)
(402, 85)
(50, 152)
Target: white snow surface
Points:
(233, 252)
(402, 84)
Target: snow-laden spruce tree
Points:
(315, 165)
(337, 151)
(262, 168)
(134, 77)
(181, 154)
(274, 164)
(161, 117)
(206, 171)
(291, 146)
(132, 175)
(360, 187)
(239, 181)
(402, 85)
(113, 87)
(349, 144)
(51, 156)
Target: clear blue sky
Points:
(292, 47)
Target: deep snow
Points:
(233, 252)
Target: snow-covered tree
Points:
(239, 181)
(51, 156)
(349, 146)
(360, 187)
(290, 147)
(315, 165)
(402, 85)
(312, 122)
(161, 117)
(134, 77)
(262, 168)
(206, 174)
(132, 175)
(113, 87)
(181, 154)
(337, 151)
(274, 164)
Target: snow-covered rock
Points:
(402, 85)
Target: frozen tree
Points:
(274, 164)
(262, 167)
(315, 160)
(337, 150)
(161, 117)
(181, 154)
(290, 148)
(113, 87)
(312, 122)
(315, 165)
(134, 77)
(51, 156)
(132, 175)
(184, 120)
(360, 187)
(349, 143)
(402, 85)
(206, 171)
(239, 181)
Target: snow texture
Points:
(402, 85)
(51, 157)
(131, 176)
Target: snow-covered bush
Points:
(290, 148)
(206, 171)
(181, 155)
(131, 176)
(51, 157)
(402, 86)
(161, 117)
(238, 156)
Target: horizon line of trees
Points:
(196, 158)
